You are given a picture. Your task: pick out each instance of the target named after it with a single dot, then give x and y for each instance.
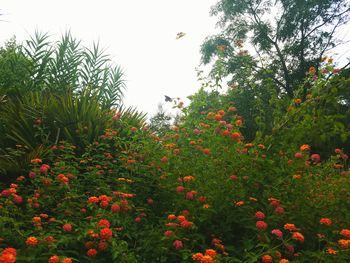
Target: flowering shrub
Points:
(198, 193)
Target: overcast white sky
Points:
(139, 35)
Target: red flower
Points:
(93, 200)
(115, 208)
(104, 204)
(106, 233)
(8, 255)
(345, 233)
(206, 151)
(67, 227)
(104, 222)
(260, 215)
(325, 221)
(102, 245)
(91, 252)
(54, 259)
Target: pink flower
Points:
(178, 244)
(44, 168)
(261, 225)
(31, 175)
(164, 159)
(168, 233)
(278, 233)
(298, 155)
(189, 195)
(5, 193)
(180, 189)
(279, 210)
(315, 157)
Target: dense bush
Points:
(220, 186)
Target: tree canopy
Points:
(288, 37)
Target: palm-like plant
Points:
(66, 65)
(68, 96)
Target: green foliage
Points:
(161, 121)
(13, 67)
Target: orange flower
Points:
(67, 260)
(93, 200)
(331, 251)
(188, 178)
(305, 147)
(239, 203)
(297, 176)
(36, 219)
(218, 117)
(210, 252)
(54, 259)
(221, 112)
(297, 101)
(197, 256)
(181, 218)
(345, 233)
(290, 227)
(325, 221)
(266, 259)
(32, 241)
(207, 259)
(36, 161)
(344, 243)
(131, 161)
(298, 236)
(312, 70)
(283, 260)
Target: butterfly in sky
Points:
(180, 35)
(168, 99)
